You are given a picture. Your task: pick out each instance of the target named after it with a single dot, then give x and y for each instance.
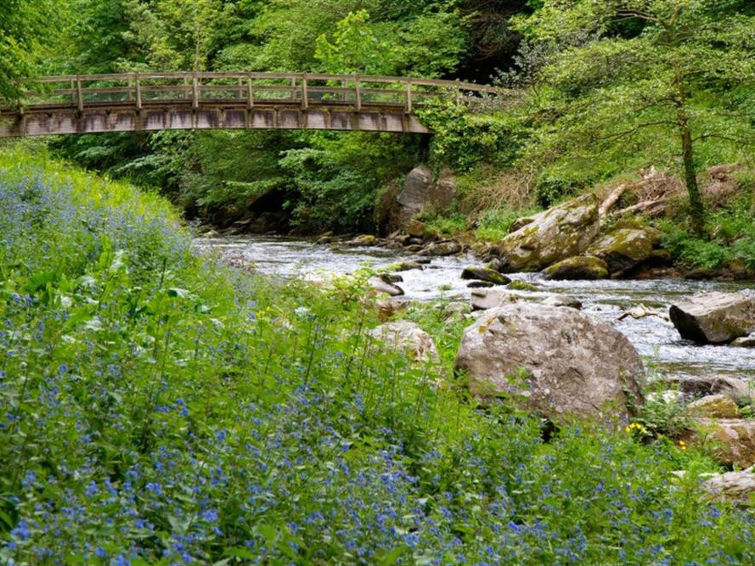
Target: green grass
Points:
(158, 408)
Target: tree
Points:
(620, 67)
(26, 26)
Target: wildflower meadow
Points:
(157, 407)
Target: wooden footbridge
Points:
(84, 104)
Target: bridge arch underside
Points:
(176, 116)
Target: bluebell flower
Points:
(22, 531)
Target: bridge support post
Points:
(304, 92)
(79, 96)
(138, 92)
(249, 93)
(408, 96)
(357, 94)
(195, 92)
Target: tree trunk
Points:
(688, 158)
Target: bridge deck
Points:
(171, 101)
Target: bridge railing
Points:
(248, 89)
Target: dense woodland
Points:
(603, 90)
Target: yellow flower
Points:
(636, 427)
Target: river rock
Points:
(563, 301)
(408, 337)
(421, 192)
(519, 285)
(556, 234)
(732, 487)
(445, 248)
(405, 266)
(554, 361)
(733, 439)
(578, 267)
(480, 285)
(484, 299)
(387, 308)
(701, 386)
(381, 286)
(745, 341)
(714, 407)
(485, 274)
(714, 318)
(391, 277)
(363, 240)
(454, 308)
(624, 248)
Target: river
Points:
(654, 337)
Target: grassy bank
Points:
(159, 408)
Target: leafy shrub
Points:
(462, 139)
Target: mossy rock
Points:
(518, 285)
(624, 248)
(485, 274)
(556, 234)
(578, 267)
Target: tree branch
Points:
(724, 137)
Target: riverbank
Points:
(640, 226)
(162, 407)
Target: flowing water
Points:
(654, 336)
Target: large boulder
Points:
(714, 318)
(553, 360)
(556, 234)
(578, 267)
(409, 338)
(422, 192)
(624, 248)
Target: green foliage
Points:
(338, 177)
(355, 48)
(730, 237)
(445, 225)
(26, 26)
(610, 89)
(494, 224)
(462, 139)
